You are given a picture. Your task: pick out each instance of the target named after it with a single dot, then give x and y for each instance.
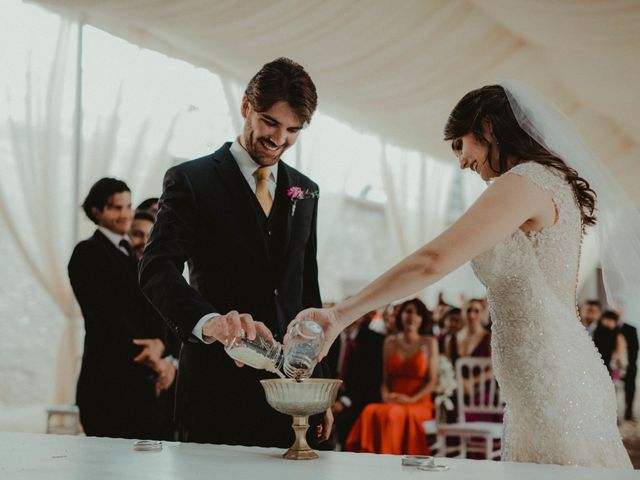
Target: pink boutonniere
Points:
(297, 193)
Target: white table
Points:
(39, 456)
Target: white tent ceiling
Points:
(397, 68)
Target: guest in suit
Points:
(590, 314)
(246, 223)
(360, 368)
(141, 231)
(116, 396)
(610, 343)
(160, 355)
(630, 334)
(150, 205)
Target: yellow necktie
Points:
(262, 189)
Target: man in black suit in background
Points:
(359, 366)
(630, 334)
(246, 223)
(116, 396)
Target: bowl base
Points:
(300, 454)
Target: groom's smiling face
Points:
(266, 135)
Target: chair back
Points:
(477, 391)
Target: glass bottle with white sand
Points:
(298, 359)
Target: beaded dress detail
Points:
(560, 400)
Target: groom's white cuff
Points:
(197, 330)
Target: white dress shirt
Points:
(115, 238)
(248, 167)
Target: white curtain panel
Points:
(418, 195)
(37, 106)
(343, 162)
(472, 188)
(137, 120)
(37, 153)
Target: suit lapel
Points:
(114, 251)
(283, 185)
(240, 194)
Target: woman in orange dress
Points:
(410, 375)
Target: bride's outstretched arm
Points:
(508, 203)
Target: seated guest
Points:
(452, 323)
(590, 314)
(116, 395)
(389, 318)
(360, 369)
(473, 340)
(438, 314)
(410, 375)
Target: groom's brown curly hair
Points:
(283, 80)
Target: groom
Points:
(252, 255)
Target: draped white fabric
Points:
(136, 119)
(418, 209)
(37, 161)
(392, 73)
(398, 69)
(418, 195)
(139, 112)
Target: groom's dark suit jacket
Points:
(116, 396)
(238, 260)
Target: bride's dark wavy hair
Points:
(491, 103)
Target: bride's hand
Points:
(327, 318)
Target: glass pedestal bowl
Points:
(301, 399)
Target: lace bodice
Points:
(560, 402)
(552, 253)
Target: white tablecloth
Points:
(38, 456)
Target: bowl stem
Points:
(300, 450)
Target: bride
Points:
(523, 236)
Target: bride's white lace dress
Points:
(560, 400)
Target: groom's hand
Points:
(225, 328)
